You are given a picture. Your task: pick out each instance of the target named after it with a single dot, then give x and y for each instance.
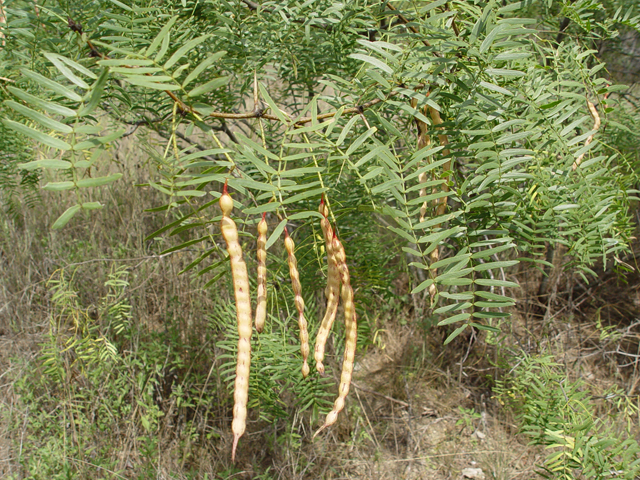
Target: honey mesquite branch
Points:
(256, 113)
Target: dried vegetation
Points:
(416, 410)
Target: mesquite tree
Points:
(464, 127)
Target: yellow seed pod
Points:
(243, 316)
(226, 204)
(299, 301)
(351, 328)
(332, 291)
(261, 301)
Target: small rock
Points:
(479, 435)
(474, 473)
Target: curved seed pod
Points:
(331, 292)
(261, 301)
(243, 309)
(351, 327)
(297, 291)
(596, 127)
(441, 203)
(424, 140)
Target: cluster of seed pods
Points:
(331, 292)
(338, 286)
(351, 327)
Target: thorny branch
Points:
(257, 112)
(252, 5)
(407, 22)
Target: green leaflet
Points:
(58, 186)
(47, 163)
(37, 117)
(495, 88)
(276, 233)
(65, 217)
(46, 105)
(148, 83)
(37, 135)
(455, 333)
(51, 85)
(360, 140)
(185, 245)
(455, 318)
(164, 32)
(209, 86)
(63, 64)
(98, 181)
(95, 94)
(274, 108)
(206, 63)
(183, 50)
(373, 61)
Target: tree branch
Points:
(564, 23)
(406, 21)
(252, 5)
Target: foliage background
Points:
(130, 116)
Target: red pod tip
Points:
(224, 189)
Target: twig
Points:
(456, 30)
(252, 5)
(440, 455)
(373, 432)
(137, 123)
(256, 113)
(225, 128)
(406, 21)
(134, 259)
(386, 397)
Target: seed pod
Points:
(297, 291)
(243, 310)
(441, 203)
(351, 328)
(261, 301)
(424, 140)
(596, 127)
(331, 292)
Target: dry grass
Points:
(417, 410)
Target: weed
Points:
(561, 415)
